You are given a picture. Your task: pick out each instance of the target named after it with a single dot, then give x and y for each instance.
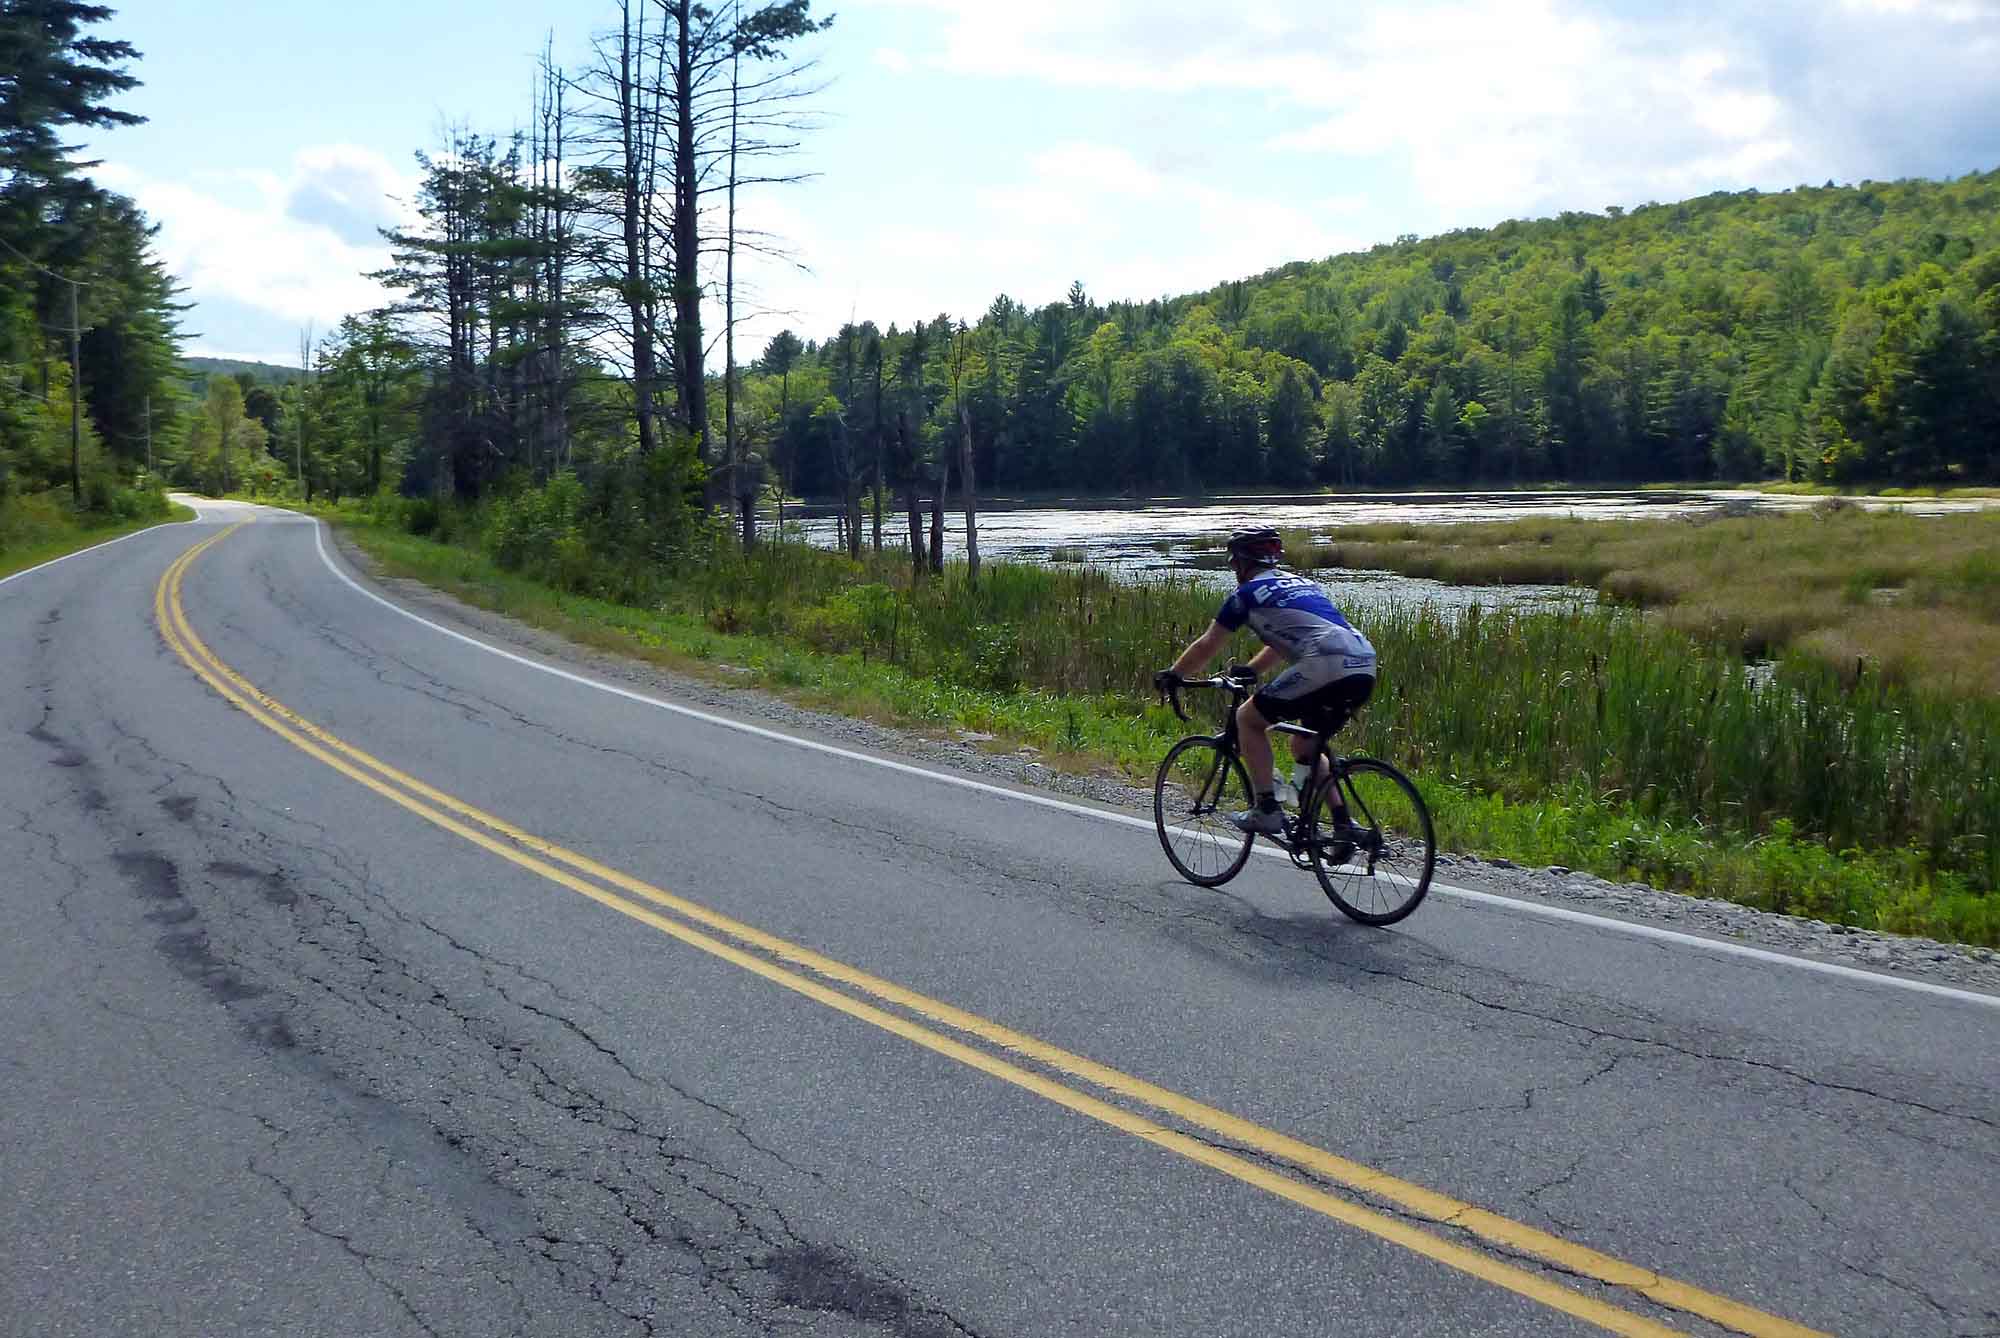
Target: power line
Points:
(32, 263)
(21, 388)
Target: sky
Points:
(971, 148)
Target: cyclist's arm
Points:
(1266, 659)
(1201, 650)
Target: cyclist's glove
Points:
(1243, 673)
(1166, 681)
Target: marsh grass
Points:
(1600, 739)
(1828, 583)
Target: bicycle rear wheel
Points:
(1378, 869)
(1197, 788)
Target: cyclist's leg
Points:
(1327, 709)
(1253, 740)
(1285, 697)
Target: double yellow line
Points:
(1131, 1105)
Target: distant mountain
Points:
(200, 369)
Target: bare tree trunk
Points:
(876, 427)
(741, 486)
(968, 491)
(534, 367)
(784, 474)
(853, 507)
(687, 236)
(634, 201)
(554, 243)
(943, 477)
(850, 490)
(966, 483)
(910, 496)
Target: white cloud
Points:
(1076, 210)
(294, 245)
(1497, 108)
(1951, 11)
(351, 191)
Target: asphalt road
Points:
(470, 999)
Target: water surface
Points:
(1136, 538)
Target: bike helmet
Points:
(1259, 547)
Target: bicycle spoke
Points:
(1191, 798)
(1379, 868)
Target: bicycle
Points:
(1375, 865)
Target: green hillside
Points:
(1841, 334)
(199, 369)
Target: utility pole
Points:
(741, 497)
(149, 438)
(75, 404)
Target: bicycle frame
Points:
(1229, 746)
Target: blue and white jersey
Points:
(1293, 614)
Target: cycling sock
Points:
(1267, 802)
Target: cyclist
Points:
(1331, 666)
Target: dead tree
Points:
(967, 484)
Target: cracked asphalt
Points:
(281, 1058)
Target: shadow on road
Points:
(1313, 945)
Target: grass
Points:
(1600, 740)
(1828, 489)
(1915, 598)
(44, 527)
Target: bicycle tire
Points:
(1205, 837)
(1397, 851)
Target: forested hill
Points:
(1843, 334)
(199, 369)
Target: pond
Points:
(1152, 536)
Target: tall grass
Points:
(1522, 702)
(37, 527)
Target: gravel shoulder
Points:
(1918, 958)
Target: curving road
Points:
(359, 980)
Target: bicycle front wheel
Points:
(1377, 867)
(1199, 785)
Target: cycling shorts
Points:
(1319, 692)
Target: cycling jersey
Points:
(1293, 614)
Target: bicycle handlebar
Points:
(1237, 688)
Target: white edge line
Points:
(44, 566)
(1489, 899)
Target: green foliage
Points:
(66, 247)
(39, 527)
(224, 450)
(1824, 334)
